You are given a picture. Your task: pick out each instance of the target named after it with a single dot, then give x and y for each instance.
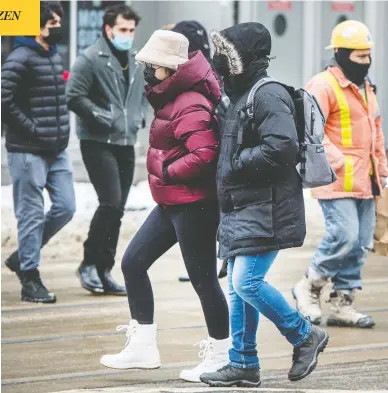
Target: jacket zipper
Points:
(125, 103)
(57, 102)
(312, 120)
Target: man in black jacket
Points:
(106, 90)
(35, 111)
(262, 210)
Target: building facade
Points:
(300, 32)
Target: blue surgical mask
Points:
(121, 42)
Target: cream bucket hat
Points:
(165, 48)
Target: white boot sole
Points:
(140, 365)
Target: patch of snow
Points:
(139, 198)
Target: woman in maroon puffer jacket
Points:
(181, 163)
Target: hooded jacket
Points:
(33, 100)
(259, 191)
(183, 152)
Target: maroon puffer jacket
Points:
(183, 152)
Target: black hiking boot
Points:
(33, 289)
(229, 376)
(13, 263)
(305, 357)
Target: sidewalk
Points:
(55, 348)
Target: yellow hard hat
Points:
(351, 34)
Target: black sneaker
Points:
(13, 263)
(229, 376)
(305, 357)
(110, 286)
(33, 289)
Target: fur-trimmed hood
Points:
(242, 44)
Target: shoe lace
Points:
(349, 309)
(295, 354)
(314, 295)
(225, 368)
(206, 352)
(38, 284)
(130, 331)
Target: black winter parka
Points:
(259, 190)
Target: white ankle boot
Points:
(140, 350)
(214, 355)
(307, 294)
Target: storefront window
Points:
(90, 17)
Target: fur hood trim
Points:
(225, 47)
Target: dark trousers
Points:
(194, 226)
(110, 169)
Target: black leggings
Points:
(194, 226)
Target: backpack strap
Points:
(250, 105)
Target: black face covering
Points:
(55, 35)
(355, 72)
(149, 76)
(220, 63)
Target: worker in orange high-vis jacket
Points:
(354, 145)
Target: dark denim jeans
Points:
(250, 295)
(30, 174)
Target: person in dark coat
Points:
(198, 40)
(106, 91)
(262, 210)
(33, 104)
(181, 162)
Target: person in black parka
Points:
(34, 108)
(198, 40)
(261, 202)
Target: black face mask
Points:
(55, 35)
(220, 63)
(149, 76)
(355, 72)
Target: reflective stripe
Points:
(349, 169)
(346, 126)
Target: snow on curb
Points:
(86, 198)
(70, 239)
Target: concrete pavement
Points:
(56, 348)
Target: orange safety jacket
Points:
(354, 140)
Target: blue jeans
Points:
(30, 174)
(350, 225)
(250, 295)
